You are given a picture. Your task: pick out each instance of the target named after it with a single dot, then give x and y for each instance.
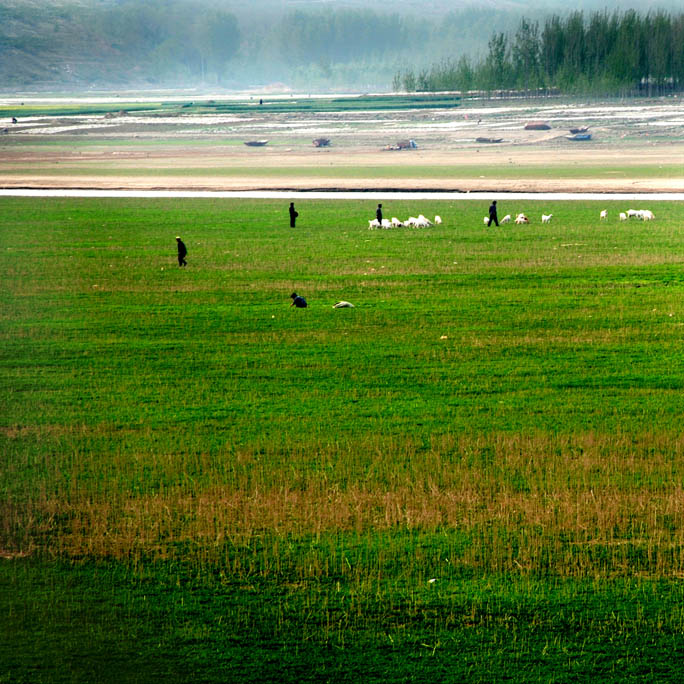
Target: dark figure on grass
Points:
(492, 214)
(182, 252)
(293, 215)
(378, 213)
(298, 301)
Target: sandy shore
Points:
(633, 149)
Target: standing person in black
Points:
(378, 213)
(182, 252)
(492, 214)
(293, 215)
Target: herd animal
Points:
(422, 222)
(640, 214)
(412, 222)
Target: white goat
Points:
(604, 214)
(424, 221)
(396, 223)
(385, 223)
(373, 224)
(485, 220)
(506, 219)
(632, 213)
(546, 218)
(438, 220)
(623, 216)
(521, 218)
(646, 215)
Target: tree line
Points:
(604, 53)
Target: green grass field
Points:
(475, 474)
(288, 173)
(277, 104)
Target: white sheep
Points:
(506, 219)
(410, 222)
(424, 221)
(396, 223)
(604, 214)
(385, 223)
(646, 215)
(485, 220)
(623, 216)
(546, 218)
(521, 218)
(632, 213)
(373, 224)
(438, 220)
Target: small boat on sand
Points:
(256, 143)
(537, 126)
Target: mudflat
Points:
(633, 147)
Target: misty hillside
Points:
(304, 44)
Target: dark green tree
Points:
(527, 55)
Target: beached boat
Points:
(256, 143)
(489, 140)
(537, 126)
(579, 136)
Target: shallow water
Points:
(345, 195)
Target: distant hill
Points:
(104, 44)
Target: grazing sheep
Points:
(343, 305)
(623, 216)
(521, 218)
(632, 213)
(410, 222)
(546, 218)
(506, 219)
(373, 224)
(438, 220)
(385, 223)
(646, 215)
(396, 223)
(424, 221)
(485, 220)
(604, 214)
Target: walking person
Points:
(293, 215)
(378, 213)
(492, 214)
(182, 252)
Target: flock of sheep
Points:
(641, 214)
(422, 222)
(411, 222)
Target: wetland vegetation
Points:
(474, 474)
